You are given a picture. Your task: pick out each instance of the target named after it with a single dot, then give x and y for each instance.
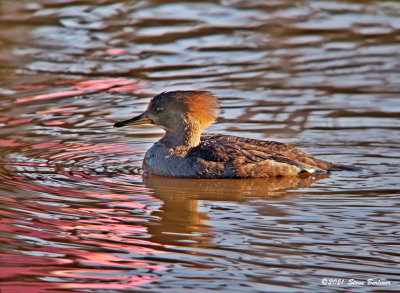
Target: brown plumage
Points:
(184, 152)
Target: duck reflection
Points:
(181, 218)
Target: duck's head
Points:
(179, 111)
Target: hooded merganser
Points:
(185, 152)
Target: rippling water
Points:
(76, 215)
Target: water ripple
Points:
(77, 215)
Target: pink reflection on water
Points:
(34, 287)
(117, 262)
(46, 145)
(115, 51)
(82, 150)
(20, 121)
(84, 87)
(104, 83)
(16, 259)
(54, 123)
(111, 84)
(84, 232)
(51, 96)
(128, 88)
(9, 143)
(96, 242)
(12, 272)
(51, 111)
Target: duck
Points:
(185, 152)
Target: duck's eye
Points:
(159, 108)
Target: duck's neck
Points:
(186, 138)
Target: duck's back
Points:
(237, 157)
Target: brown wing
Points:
(284, 150)
(243, 157)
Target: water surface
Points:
(76, 214)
